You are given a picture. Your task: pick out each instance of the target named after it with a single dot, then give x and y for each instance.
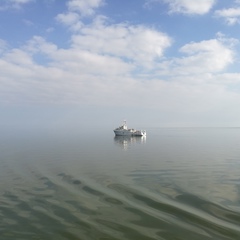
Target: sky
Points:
(155, 63)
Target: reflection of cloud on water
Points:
(126, 141)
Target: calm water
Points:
(181, 183)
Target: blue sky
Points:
(159, 63)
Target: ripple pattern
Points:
(70, 208)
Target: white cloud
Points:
(6, 4)
(68, 19)
(77, 76)
(18, 57)
(39, 45)
(137, 43)
(77, 9)
(190, 6)
(72, 75)
(80, 62)
(231, 15)
(209, 56)
(84, 7)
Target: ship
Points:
(123, 130)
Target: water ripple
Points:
(75, 208)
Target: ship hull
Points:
(129, 133)
(122, 133)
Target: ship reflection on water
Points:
(126, 141)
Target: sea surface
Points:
(173, 184)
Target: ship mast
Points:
(124, 124)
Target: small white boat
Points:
(123, 130)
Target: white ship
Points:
(124, 131)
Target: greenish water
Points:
(175, 184)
